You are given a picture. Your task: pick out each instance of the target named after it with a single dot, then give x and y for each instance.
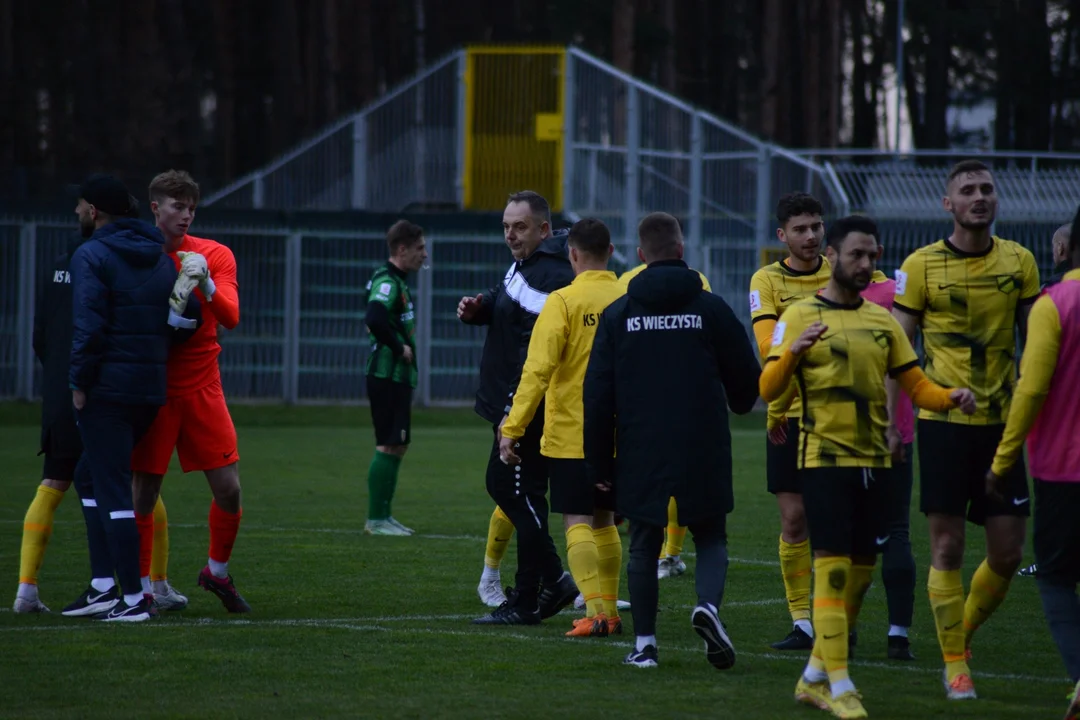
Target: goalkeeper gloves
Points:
(181, 291)
(193, 265)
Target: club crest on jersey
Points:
(881, 337)
(1009, 283)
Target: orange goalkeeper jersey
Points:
(194, 364)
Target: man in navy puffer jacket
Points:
(123, 326)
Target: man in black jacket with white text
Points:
(667, 362)
(510, 309)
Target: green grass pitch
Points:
(346, 625)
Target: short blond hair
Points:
(176, 184)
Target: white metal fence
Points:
(1031, 186)
(301, 336)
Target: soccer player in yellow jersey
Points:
(670, 563)
(773, 289)
(838, 348)
(968, 293)
(554, 373)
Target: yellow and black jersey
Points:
(773, 289)
(841, 379)
(554, 370)
(967, 305)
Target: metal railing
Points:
(302, 338)
(404, 148)
(630, 149)
(1031, 186)
(627, 149)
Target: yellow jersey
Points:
(841, 379)
(554, 369)
(773, 289)
(967, 305)
(629, 275)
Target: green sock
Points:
(382, 480)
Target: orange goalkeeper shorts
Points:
(198, 426)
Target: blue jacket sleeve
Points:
(192, 312)
(90, 312)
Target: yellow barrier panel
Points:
(769, 255)
(514, 100)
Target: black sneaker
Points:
(646, 658)
(795, 640)
(225, 590)
(900, 648)
(852, 641)
(718, 648)
(1030, 571)
(511, 612)
(93, 602)
(553, 598)
(139, 612)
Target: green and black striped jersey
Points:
(388, 288)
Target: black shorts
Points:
(782, 462)
(571, 491)
(391, 411)
(1057, 533)
(846, 509)
(953, 462)
(59, 467)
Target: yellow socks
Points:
(831, 578)
(946, 589)
(159, 560)
(37, 529)
(987, 592)
(676, 535)
(858, 584)
(609, 565)
(795, 566)
(500, 530)
(583, 559)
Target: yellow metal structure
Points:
(514, 101)
(769, 255)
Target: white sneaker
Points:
(399, 526)
(622, 604)
(169, 599)
(579, 602)
(670, 567)
(385, 527)
(491, 592)
(29, 605)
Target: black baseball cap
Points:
(109, 195)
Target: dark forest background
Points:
(221, 86)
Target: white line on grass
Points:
(370, 624)
(360, 531)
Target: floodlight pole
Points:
(899, 73)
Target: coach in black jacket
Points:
(122, 328)
(667, 362)
(509, 309)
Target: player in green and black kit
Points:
(391, 370)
